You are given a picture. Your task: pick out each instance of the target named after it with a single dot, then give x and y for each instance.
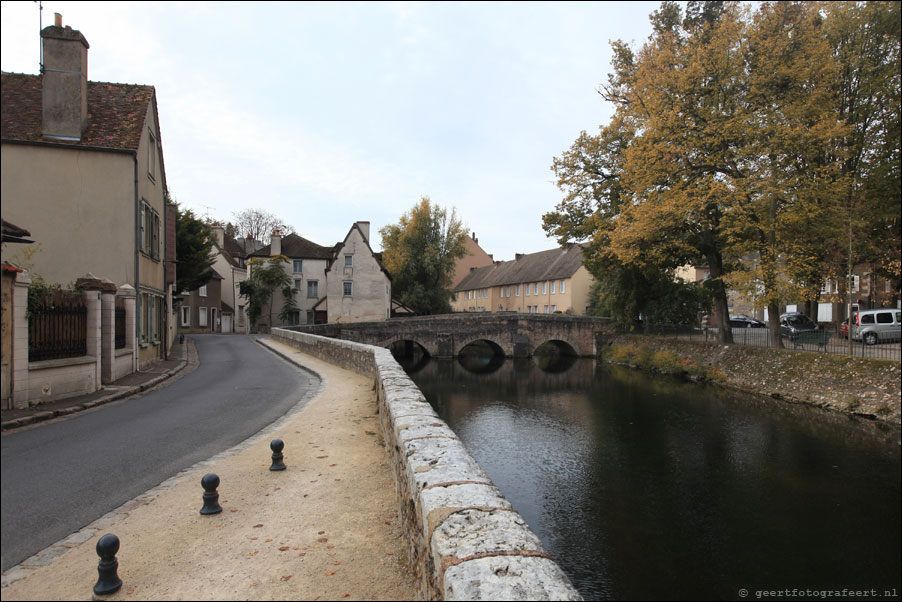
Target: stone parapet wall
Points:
(465, 541)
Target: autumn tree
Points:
(726, 145)
(865, 38)
(420, 252)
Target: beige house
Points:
(545, 282)
(307, 265)
(231, 263)
(359, 288)
(476, 257)
(82, 165)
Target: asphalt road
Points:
(63, 475)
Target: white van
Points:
(877, 325)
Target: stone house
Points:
(545, 282)
(359, 288)
(307, 263)
(82, 165)
(201, 310)
(217, 306)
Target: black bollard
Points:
(211, 498)
(276, 446)
(108, 580)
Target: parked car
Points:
(745, 322)
(875, 325)
(793, 323)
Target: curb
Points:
(49, 415)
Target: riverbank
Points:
(856, 386)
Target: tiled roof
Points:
(297, 248)
(116, 112)
(536, 267)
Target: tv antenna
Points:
(40, 39)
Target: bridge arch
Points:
(482, 344)
(560, 346)
(409, 353)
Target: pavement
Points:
(181, 355)
(327, 527)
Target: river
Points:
(647, 487)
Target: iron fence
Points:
(826, 340)
(58, 328)
(119, 321)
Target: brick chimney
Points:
(275, 243)
(65, 82)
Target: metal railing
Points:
(58, 328)
(826, 340)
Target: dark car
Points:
(793, 323)
(745, 322)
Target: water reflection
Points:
(652, 488)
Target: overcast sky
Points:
(329, 113)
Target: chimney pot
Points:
(57, 19)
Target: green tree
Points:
(193, 250)
(267, 276)
(419, 252)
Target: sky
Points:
(329, 113)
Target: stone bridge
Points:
(445, 336)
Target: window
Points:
(885, 317)
(186, 316)
(202, 316)
(347, 288)
(313, 289)
(151, 156)
(143, 337)
(527, 290)
(545, 288)
(546, 309)
(509, 289)
(517, 290)
(563, 290)
(553, 287)
(297, 284)
(855, 284)
(298, 266)
(349, 261)
(535, 289)
(202, 291)
(553, 308)
(151, 232)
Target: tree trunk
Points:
(721, 305)
(773, 325)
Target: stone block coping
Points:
(465, 541)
